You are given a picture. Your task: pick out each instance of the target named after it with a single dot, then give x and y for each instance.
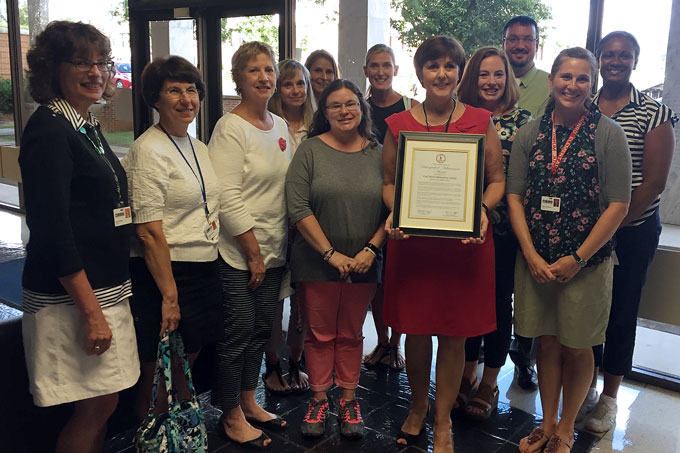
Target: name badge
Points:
(122, 216)
(212, 228)
(551, 204)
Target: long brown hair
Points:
(468, 88)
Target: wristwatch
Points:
(580, 261)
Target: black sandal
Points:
(274, 368)
(294, 369)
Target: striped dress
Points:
(641, 115)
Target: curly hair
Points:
(287, 70)
(321, 125)
(244, 54)
(172, 68)
(468, 89)
(60, 42)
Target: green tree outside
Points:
(474, 23)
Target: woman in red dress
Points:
(437, 286)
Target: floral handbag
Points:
(181, 429)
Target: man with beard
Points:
(520, 43)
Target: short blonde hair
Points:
(244, 54)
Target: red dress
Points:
(439, 286)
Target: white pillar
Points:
(361, 24)
(670, 207)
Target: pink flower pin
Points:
(282, 143)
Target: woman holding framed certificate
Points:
(437, 286)
(568, 191)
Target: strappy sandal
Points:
(275, 368)
(394, 359)
(376, 355)
(556, 442)
(294, 369)
(467, 389)
(486, 400)
(536, 440)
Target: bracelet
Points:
(485, 207)
(375, 250)
(327, 254)
(368, 249)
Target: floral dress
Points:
(576, 183)
(507, 126)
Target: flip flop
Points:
(275, 368)
(376, 355)
(556, 442)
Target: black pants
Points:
(635, 249)
(248, 318)
(496, 343)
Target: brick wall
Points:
(4, 53)
(229, 102)
(110, 117)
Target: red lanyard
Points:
(557, 159)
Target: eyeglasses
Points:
(86, 65)
(351, 105)
(526, 40)
(176, 93)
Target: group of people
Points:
(292, 198)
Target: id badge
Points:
(122, 216)
(211, 229)
(551, 204)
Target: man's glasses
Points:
(526, 40)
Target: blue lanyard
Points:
(201, 182)
(100, 150)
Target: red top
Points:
(437, 286)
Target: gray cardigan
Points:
(611, 151)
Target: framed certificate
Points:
(439, 184)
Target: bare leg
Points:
(272, 381)
(253, 410)
(611, 384)
(85, 430)
(381, 349)
(450, 364)
(238, 428)
(418, 364)
(577, 370)
(549, 364)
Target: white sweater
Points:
(163, 187)
(251, 166)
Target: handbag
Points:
(181, 429)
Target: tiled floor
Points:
(648, 420)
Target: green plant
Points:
(6, 99)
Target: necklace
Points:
(446, 129)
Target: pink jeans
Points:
(334, 313)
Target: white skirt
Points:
(60, 371)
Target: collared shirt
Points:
(63, 107)
(534, 91)
(637, 118)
